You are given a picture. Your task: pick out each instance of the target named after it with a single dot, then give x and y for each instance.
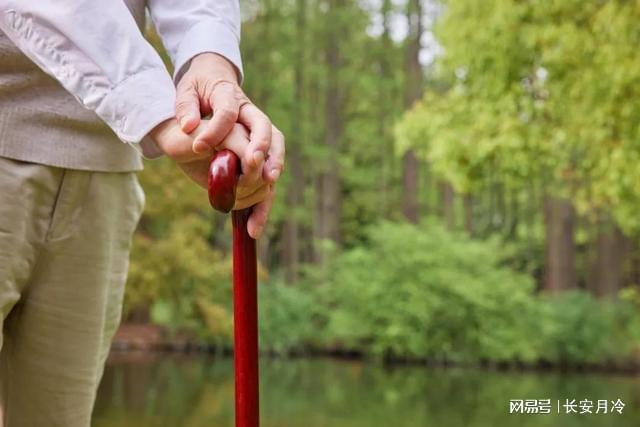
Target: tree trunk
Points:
(264, 93)
(501, 207)
(329, 204)
(413, 92)
(315, 115)
(632, 263)
(447, 199)
(410, 181)
(468, 214)
(560, 269)
(414, 77)
(609, 250)
(514, 215)
(291, 231)
(385, 93)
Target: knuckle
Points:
(227, 114)
(263, 142)
(185, 84)
(183, 104)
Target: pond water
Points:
(192, 392)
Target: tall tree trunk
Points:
(329, 203)
(413, 92)
(426, 190)
(447, 208)
(315, 116)
(532, 213)
(468, 214)
(514, 216)
(632, 263)
(386, 92)
(410, 187)
(264, 93)
(501, 206)
(291, 232)
(560, 269)
(608, 255)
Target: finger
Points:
(237, 141)
(259, 127)
(252, 166)
(187, 107)
(274, 165)
(177, 144)
(260, 215)
(225, 114)
(258, 196)
(181, 151)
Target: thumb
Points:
(187, 108)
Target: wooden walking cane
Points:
(223, 178)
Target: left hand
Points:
(210, 86)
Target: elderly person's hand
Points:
(252, 188)
(210, 86)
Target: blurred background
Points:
(457, 225)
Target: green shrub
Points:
(287, 316)
(422, 291)
(581, 329)
(414, 292)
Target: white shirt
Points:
(96, 51)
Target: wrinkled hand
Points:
(252, 189)
(210, 87)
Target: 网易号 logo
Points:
(565, 406)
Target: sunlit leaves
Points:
(544, 91)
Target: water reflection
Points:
(169, 391)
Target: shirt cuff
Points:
(139, 103)
(147, 148)
(208, 36)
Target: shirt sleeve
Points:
(191, 27)
(96, 51)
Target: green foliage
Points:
(288, 316)
(425, 292)
(580, 329)
(175, 273)
(538, 92)
(421, 292)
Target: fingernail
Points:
(199, 146)
(275, 173)
(258, 157)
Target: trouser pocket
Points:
(70, 201)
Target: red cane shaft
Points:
(223, 179)
(245, 318)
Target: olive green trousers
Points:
(65, 237)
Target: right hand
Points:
(252, 188)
